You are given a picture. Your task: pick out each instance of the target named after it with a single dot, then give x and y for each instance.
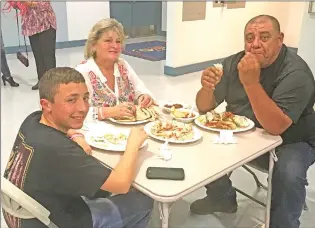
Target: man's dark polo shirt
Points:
(289, 82)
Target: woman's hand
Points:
(145, 101)
(120, 110)
(125, 109)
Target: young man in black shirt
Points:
(275, 88)
(50, 167)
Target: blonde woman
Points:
(113, 85)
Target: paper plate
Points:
(197, 135)
(249, 127)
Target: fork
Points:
(191, 110)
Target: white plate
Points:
(250, 126)
(197, 135)
(109, 146)
(129, 122)
(168, 110)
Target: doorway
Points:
(139, 18)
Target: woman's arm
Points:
(102, 112)
(106, 112)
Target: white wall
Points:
(294, 23)
(306, 48)
(221, 34)
(82, 16)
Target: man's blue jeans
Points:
(288, 184)
(131, 210)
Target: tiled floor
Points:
(17, 103)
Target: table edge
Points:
(174, 197)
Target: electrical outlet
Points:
(218, 3)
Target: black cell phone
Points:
(164, 173)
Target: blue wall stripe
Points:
(59, 45)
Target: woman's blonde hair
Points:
(101, 27)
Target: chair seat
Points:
(20, 205)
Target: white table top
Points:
(203, 161)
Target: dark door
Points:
(139, 18)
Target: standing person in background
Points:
(39, 24)
(5, 70)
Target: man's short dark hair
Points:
(274, 21)
(53, 78)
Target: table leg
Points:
(272, 159)
(164, 213)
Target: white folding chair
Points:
(258, 183)
(19, 204)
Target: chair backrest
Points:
(20, 205)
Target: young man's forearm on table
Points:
(205, 100)
(268, 114)
(128, 163)
(122, 176)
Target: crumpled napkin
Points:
(225, 137)
(165, 152)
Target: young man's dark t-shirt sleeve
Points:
(70, 171)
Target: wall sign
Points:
(235, 4)
(193, 11)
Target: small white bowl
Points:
(186, 120)
(168, 110)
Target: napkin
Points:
(165, 152)
(225, 137)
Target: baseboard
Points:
(177, 71)
(59, 45)
(162, 33)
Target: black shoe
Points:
(10, 81)
(35, 87)
(206, 206)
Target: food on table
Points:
(126, 119)
(141, 114)
(224, 121)
(115, 139)
(172, 130)
(173, 105)
(219, 66)
(181, 113)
